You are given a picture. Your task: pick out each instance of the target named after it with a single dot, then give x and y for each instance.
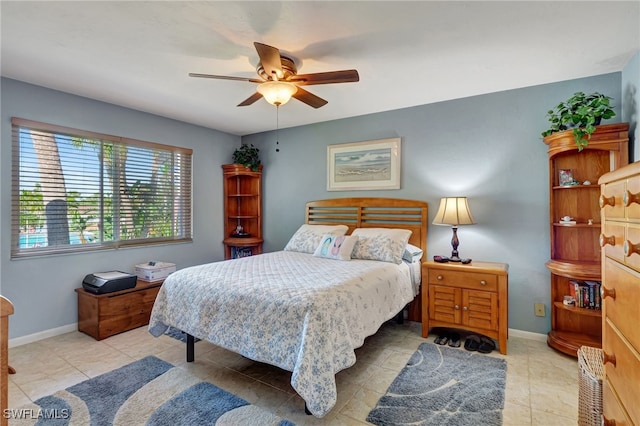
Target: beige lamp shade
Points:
(277, 92)
(453, 211)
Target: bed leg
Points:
(306, 410)
(190, 348)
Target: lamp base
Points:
(455, 259)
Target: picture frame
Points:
(367, 165)
(565, 177)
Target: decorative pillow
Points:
(385, 244)
(307, 237)
(337, 247)
(412, 253)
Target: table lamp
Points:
(454, 211)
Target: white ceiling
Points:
(138, 54)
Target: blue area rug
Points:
(444, 386)
(146, 392)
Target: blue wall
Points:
(631, 103)
(487, 148)
(42, 289)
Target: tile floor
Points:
(542, 384)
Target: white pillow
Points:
(307, 237)
(412, 253)
(337, 247)
(384, 244)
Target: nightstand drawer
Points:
(470, 279)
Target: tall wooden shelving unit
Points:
(243, 207)
(575, 249)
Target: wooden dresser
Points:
(6, 309)
(620, 242)
(472, 297)
(103, 315)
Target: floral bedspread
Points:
(301, 313)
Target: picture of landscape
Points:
(368, 164)
(364, 165)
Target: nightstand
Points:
(472, 297)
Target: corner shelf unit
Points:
(575, 248)
(242, 207)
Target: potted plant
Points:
(581, 113)
(247, 155)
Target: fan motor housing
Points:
(288, 68)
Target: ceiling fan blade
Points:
(309, 98)
(270, 59)
(251, 99)
(344, 76)
(225, 77)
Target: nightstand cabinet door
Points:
(444, 304)
(480, 309)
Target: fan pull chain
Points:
(277, 126)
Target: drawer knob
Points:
(604, 240)
(456, 307)
(439, 277)
(464, 308)
(607, 292)
(611, 358)
(606, 201)
(628, 198)
(607, 422)
(483, 282)
(629, 248)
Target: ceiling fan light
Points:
(277, 92)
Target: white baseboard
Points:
(527, 335)
(19, 341)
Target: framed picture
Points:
(364, 165)
(565, 177)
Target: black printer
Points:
(108, 282)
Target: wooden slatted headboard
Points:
(372, 213)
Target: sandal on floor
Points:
(486, 345)
(442, 339)
(472, 343)
(454, 340)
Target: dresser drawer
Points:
(632, 238)
(463, 279)
(612, 409)
(633, 209)
(611, 200)
(611, 240)
(624, 371)
(622, 308)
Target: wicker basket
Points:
(590, 386)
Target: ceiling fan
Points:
(279, 80)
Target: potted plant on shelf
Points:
(581, 113)
(247, 155)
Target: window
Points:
(74, 190)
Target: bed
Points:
(301, 311)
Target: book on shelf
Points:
(238, 252)
(586, 293)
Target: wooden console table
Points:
(103, 315)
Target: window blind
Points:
(76, 190)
